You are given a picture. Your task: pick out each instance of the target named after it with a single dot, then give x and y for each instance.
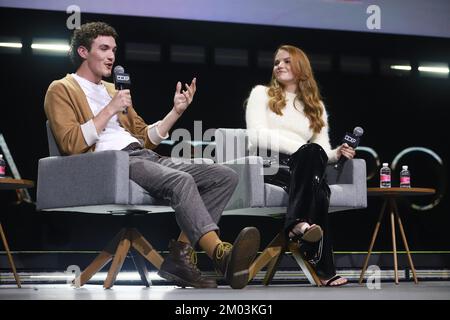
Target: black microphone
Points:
(352, 140)
(122, 81)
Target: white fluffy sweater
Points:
(286, 133)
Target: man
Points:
(86, 114)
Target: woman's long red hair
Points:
(307, 89)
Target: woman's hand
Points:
(346, 151)
(183, 99)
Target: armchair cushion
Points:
(97, 178)
(348, 185)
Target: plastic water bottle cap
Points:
(405, 167)
(385, 164)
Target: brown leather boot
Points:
(180, 266)
(233, 261)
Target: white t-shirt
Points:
(113, 137)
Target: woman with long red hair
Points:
(289, 118)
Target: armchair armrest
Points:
(348, 186)
(85, 179)
(346, 174)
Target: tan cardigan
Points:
(67, 109)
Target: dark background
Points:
(396, 112)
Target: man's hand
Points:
(183, 99)
(120, 101)
(346, 151)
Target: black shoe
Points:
(311, 251)
(180, 266)
(233, 261)
(310, 244)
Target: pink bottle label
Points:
(385, 177)
(405, 180)
(2, 170)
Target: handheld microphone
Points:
(122, 80)
(352, 140)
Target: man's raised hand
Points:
(183, 99)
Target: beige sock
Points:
(183, 238)
(209, 242)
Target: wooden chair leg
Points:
(306, 267)
(139, 263)
(10, 259)
(372, 242)
(101, 260)
(141, 245)
(119, 258)
(272, 255)
(272, 267)
(273, 250)
(119, 247)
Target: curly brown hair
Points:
(307, 89)
(84, 36)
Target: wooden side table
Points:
(12, 184)
(390, 195)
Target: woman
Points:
(290, 114)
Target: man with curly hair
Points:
(86, 114)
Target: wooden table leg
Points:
(405, 242)
(372, 242)
(394, 241)
(8, 253)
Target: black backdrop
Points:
(396, 112)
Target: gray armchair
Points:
(254, 197)
(99, 183)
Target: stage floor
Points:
(425, 290)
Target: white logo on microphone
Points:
(349, 139)
(123, 78)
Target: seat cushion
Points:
(139, 196)
(275, 196)
(341, 199)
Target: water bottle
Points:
(385, 176)
(405, 178)
(2, 166)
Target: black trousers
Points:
(309, 196)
